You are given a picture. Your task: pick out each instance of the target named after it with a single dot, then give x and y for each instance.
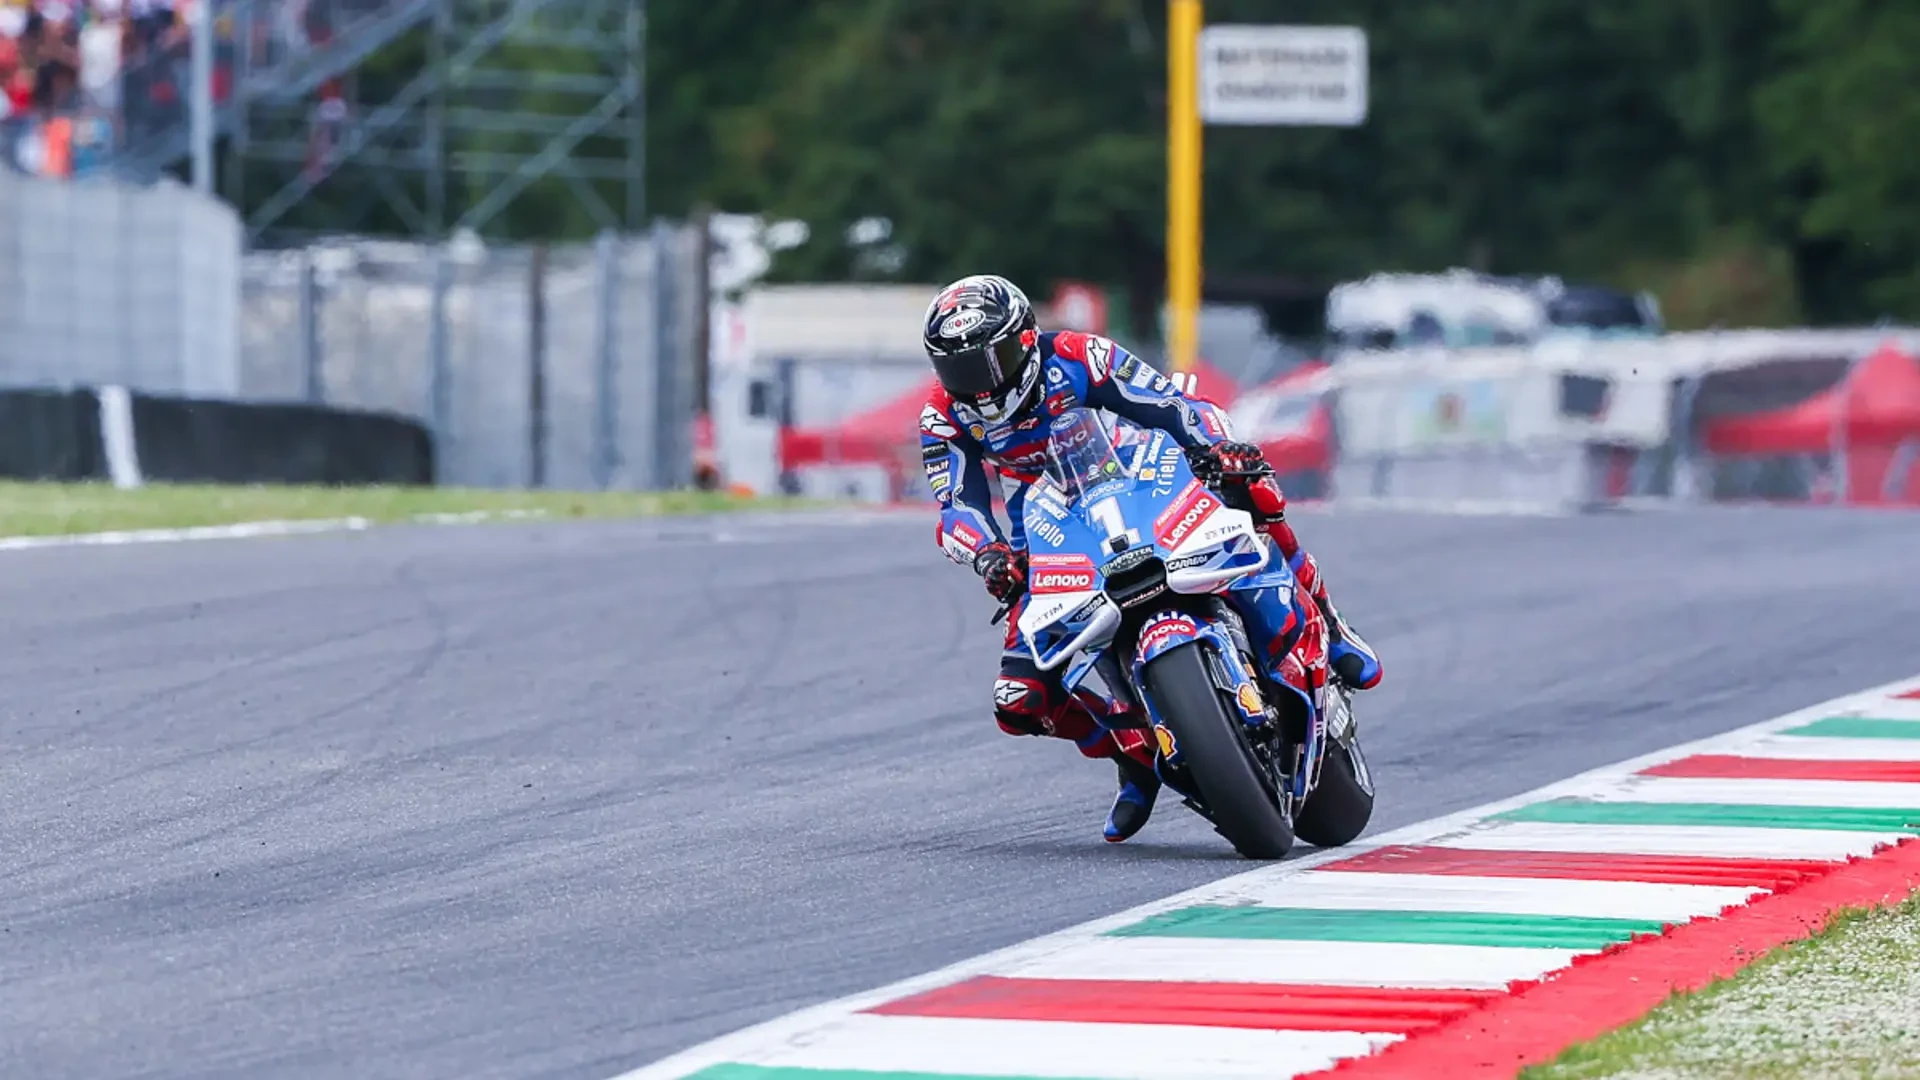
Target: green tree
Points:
(1753, 158)
(1842, 118)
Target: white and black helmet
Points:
(985, 345)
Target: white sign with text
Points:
(1283, 75)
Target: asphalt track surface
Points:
(557, 800)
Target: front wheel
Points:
(1213, 745)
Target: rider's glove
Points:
(1239, 461)
(1003, 569)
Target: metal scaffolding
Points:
(450, 121)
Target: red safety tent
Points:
(1291, 420)
(1868, 416)
(1213, 385)
(877, 436)
(887, 434)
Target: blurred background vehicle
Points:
(1640, 252)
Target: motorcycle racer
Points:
(1001, 381)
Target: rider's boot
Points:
(1348, 654)
(1023, 706)
(1139, 787)
(1131, 751)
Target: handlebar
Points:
(1263, 470)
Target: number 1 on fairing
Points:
(1107, 513)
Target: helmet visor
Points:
(992, 370)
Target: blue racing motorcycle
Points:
(1140, 573)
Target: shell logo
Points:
(1249, 698)
(1165, 739)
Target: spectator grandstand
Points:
(85, 80)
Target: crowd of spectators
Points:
(82, 78)
(69, 67)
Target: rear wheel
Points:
(1340, 806)
(1213, 745)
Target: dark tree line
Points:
(1749, 160)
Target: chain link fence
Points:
(566, 367)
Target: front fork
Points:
(1293, 757)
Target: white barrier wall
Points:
(103, 284)
(1497, 425)
(1550, 424)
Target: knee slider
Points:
(1020, 706)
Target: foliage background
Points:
(1751, 161)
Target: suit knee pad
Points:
(1020, 706)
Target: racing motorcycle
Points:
(1143, 575)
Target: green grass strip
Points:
(1575, 811)
(1405, 927)
(1838, 1004)
(786, 1073)
(45, 509)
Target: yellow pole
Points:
(1183, 181)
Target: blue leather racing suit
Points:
(1078, 371)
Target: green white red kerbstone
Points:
(1292, 968)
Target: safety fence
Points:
(1565, 423)
(570, 366)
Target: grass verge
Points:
(37, 509)
(1843, 1003)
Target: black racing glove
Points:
(1003, 569)
(1223, 460)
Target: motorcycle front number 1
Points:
(1107, 513)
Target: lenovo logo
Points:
(1059, 581)
(1202, 506)
(1158, 634)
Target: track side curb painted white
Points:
(805, 1027)
(248, 529)
(731, 526)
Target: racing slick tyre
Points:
(1340, 807)
(1213, 746)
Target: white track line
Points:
(1740, 842)
(1348, 889)
(723, 527)
(1328, 963)
(1110, 1051)
(243, 530)
(1858, 793)
(1822, 748)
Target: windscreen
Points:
(1080, 453)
